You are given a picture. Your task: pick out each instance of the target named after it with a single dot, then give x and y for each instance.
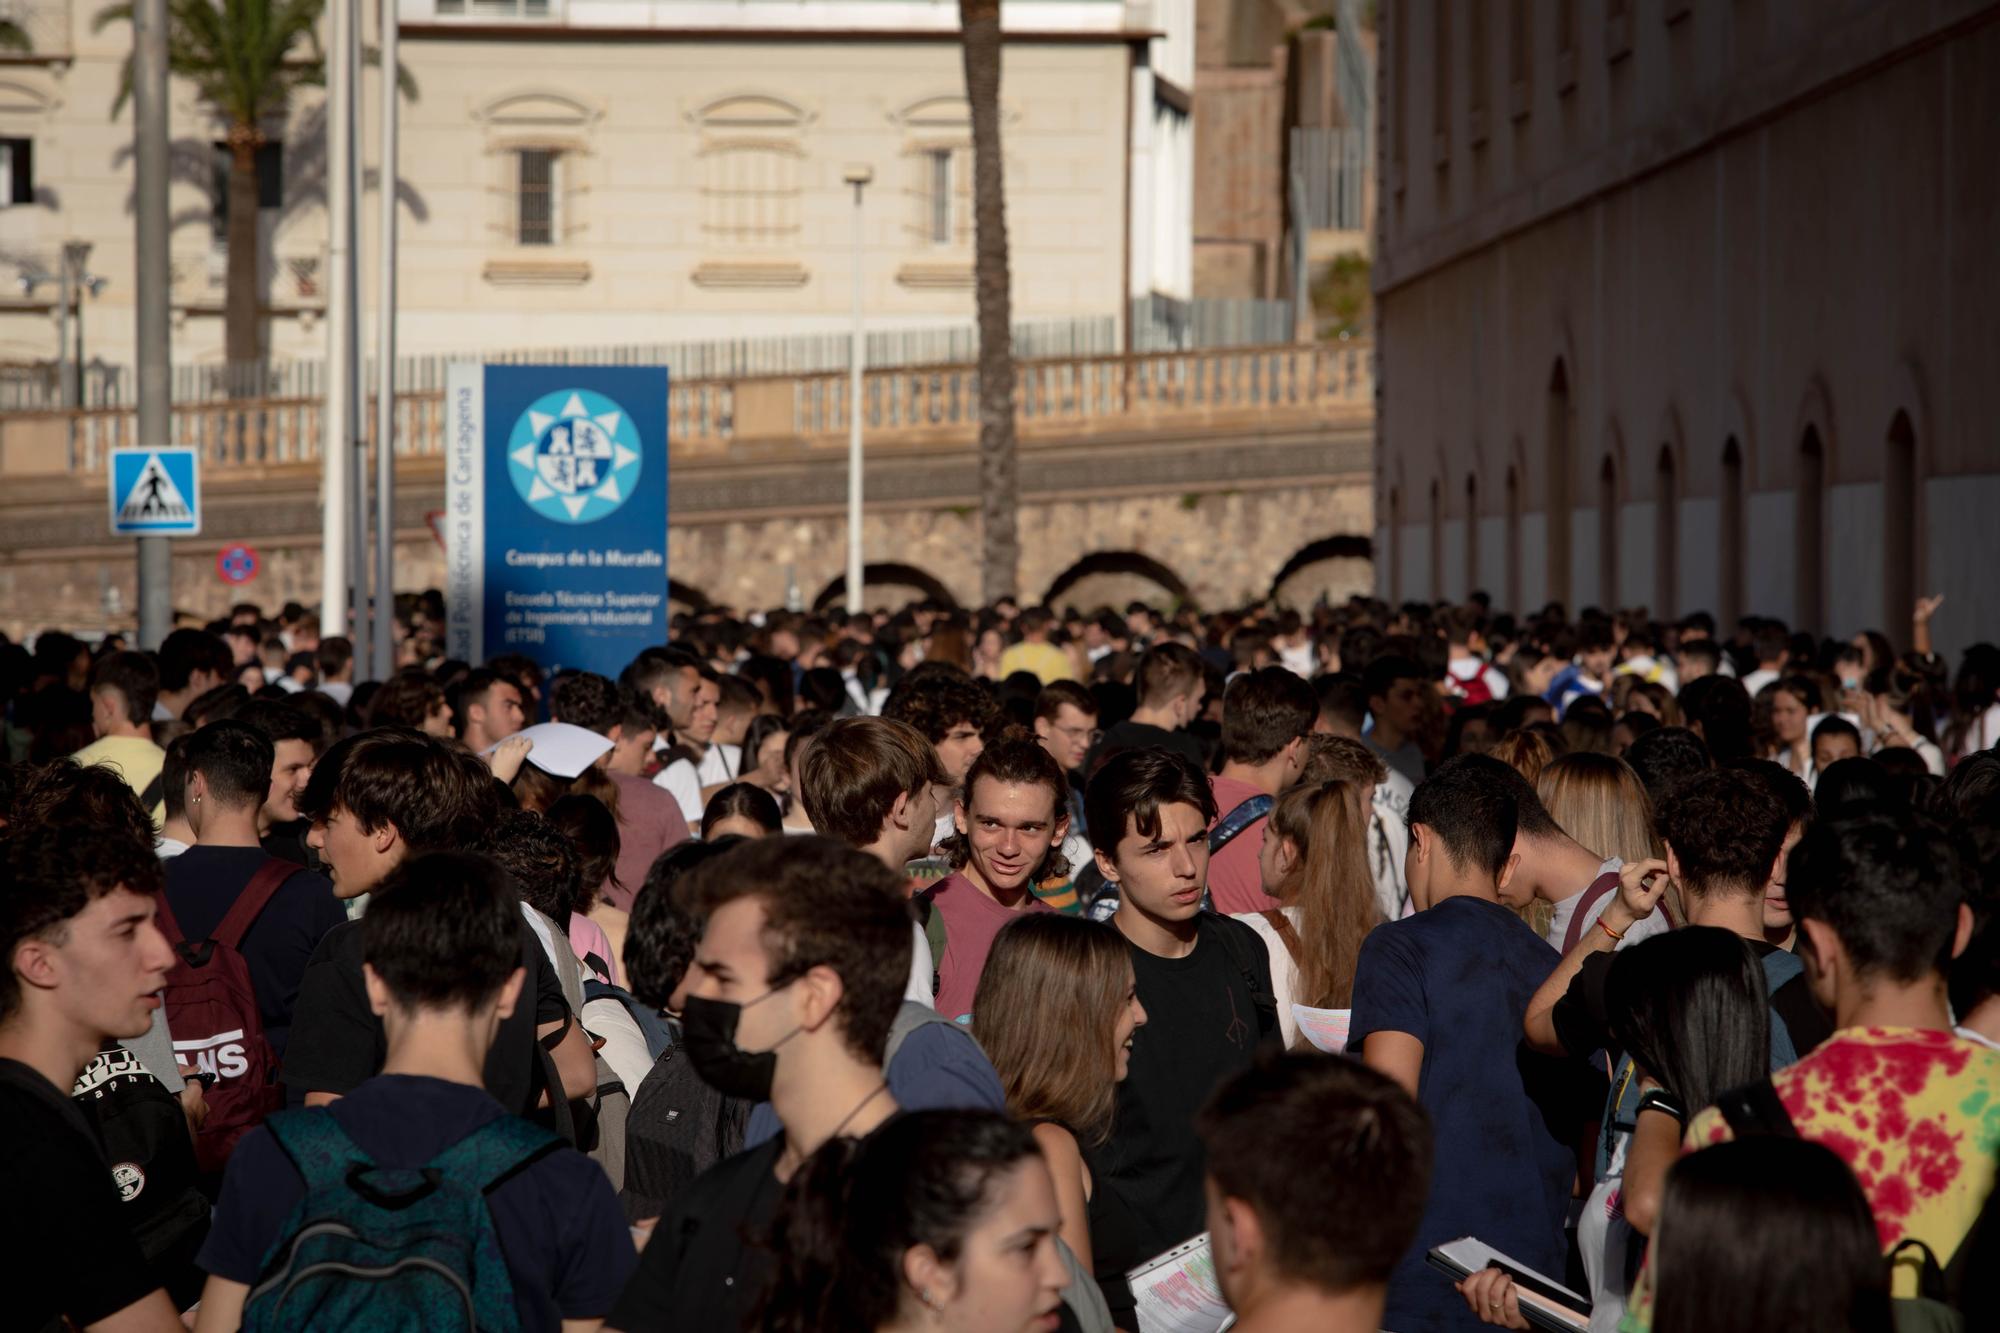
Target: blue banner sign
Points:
(556, 513)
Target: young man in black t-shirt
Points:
(803, 958)
(441, 958)
(375, 800)
(83, 964)
(229, 767)
(1205, 981)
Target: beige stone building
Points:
(1689, 304)
(591, 173)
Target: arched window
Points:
(1514, 541)
(1437, 541)
(752, 150)
(1899, 525)
(1666, 536)
(1558, 472)
(1607, 533)
(1811, 529)
(1472, 536)
(938, 147)
(1730, 553)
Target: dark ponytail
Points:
(857, 1206)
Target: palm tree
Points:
(999, 471)
(245, 58)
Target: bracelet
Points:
(1659, 1099)
(1614, 934)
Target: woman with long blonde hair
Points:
(1061, 1077)
(1599, 800)
(1315, 862)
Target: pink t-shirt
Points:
(1235, 884)
(588, 939)
(971, 920)
(649, 822)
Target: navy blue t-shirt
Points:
(203, 883)
(565, 1238)
(1458, 978)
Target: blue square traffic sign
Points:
(155, 492)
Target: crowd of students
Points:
(947, 971)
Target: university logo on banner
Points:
(574, 456)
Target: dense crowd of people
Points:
(1405, 968)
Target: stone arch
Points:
(1344, 547)
(892, 575)
(1118, 562)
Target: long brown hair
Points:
(1067, 1071)
(1331, 886)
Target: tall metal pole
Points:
(385, 363)
(336, 429)
(357, 387)
(155, 352)
(858, 177)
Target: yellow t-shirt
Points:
(1048, 662)
(1915, 1114)
(137, 760)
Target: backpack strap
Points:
(1261, 996)
(1930, 1274)
(1605, 883)
(163, 917)
(317, 1145)
(1754, 1111)
(252, 901)
(1233, 823)
(495, 1151)
(934, 933)
(155, 790)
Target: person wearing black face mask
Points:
(804, 956)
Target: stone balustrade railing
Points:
(749, 417)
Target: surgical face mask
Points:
(708, 1032)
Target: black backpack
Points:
(144, 1134)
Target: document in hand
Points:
(1545, 1303)
(1326, 1029)
(1177, 1291)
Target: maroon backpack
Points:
(213, 1018)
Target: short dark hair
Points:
(849, 780)
(235, 758)
(825, 905)
(1890, 887)
(541, 861)
(1263, 711)
(1472, 804)
(48, 875)
(1666, 756)
(1293, 1131)
(1782, 783)
(1166, 671)
(186, 651)
(334, 653)
(936, 704)
(174, 775)
(1721, 707)
(745, 800)
(1835, 725)
(1049, 703)
(405, 700)
(661, 936)
(93, 802)
(1725, 828)
(652, 668)
(443, 930)
(136, 680)
(592, 828)
(438, 796)
(1704, 649)
(1344, 695)
(278, 721)
(588, 700)
(1382, 674)
(1132, 786)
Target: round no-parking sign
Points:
(236, 564)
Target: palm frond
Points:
(14, 37)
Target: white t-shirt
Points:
(1389, 844)
(1284, 969)
(1758, 679)
(1566, 909)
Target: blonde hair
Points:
(1067, 1071)
(1330, 885)
(1526, 752)
(1600, 801)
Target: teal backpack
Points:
(392, 1251)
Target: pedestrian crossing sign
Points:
(155, 492)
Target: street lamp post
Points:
(154, 280)
(858, 177)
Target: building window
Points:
(1607, 533)
(1513, 536)
(752, 156)
(939, 203)
(1520, 59)
(270, 183)
(1810, 524)
(1557, 469)
(535, 196)
(17, 172)
(1899, 523)
(1731, 596)
(1437, 542)
(493, 9)
(1472, 535)
(1666, 536)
